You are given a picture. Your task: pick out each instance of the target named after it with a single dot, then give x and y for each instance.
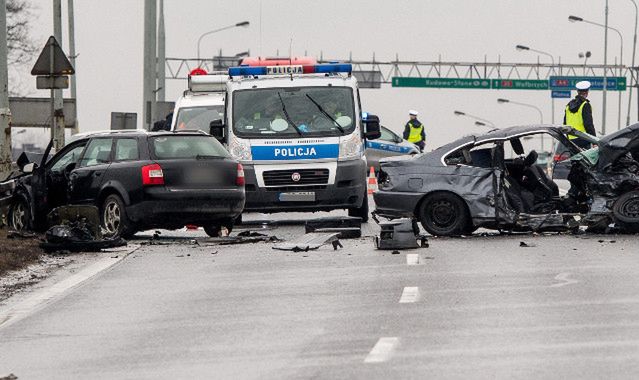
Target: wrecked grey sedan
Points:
(490, 181)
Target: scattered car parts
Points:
(311, 241)
(348, 227)
(400, 234)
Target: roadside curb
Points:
(43, 297)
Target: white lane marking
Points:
(565, 280)
(44, 296)
(383, 350)
(410, 295)
(412, 259)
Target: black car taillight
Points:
(152, 175)
(240, 180)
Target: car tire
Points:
(362, 211)
(444, 214)
(216, 230)
(114, 221)
(626, 211)
(20, 216)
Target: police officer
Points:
(579, 114)
(414, 131)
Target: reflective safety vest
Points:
(415, 135)
(575, 120)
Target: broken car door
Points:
(58, 170)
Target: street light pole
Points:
(5, 113)
(605, 87)
(460, 113)
(199, 40)
(552, 60)
(632, 72)
(541, 115)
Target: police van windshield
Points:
(198, 118)
(293, 112)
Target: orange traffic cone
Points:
(372, 181)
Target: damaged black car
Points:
(137, 180)
(490, 181)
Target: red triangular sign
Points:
(60, 64)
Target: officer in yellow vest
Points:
(579, 114)
(414, 131)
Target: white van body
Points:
(202, 103)
(314, 168)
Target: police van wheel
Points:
(362, 211)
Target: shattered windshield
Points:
(198, 118)
(293, 112)
(590, 155)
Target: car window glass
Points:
(126, 150)
(67, 158)
(198, 117)
(386, 135)
(458, 157)
(181, 146)
(481, 156)
(98, 152)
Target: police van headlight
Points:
(350, 147)
(240, 150)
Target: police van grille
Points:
(291, 142)
(285, 177)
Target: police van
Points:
(202, 102)
(298, 129)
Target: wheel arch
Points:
(112, 188)
(431, 193)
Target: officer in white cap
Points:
(414, 131)
(579, 114)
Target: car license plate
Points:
(298, 196)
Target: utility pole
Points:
(161, 72)
(5, 112)
(72, 56)
(605, 76)
(57, 130)
(150, 62)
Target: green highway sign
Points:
(519, 84)
(441, 82)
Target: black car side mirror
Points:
(371, 125)
(217, 129)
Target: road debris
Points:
(348, 227)
(526, 245)
(75, 229)
(400, 234)
(311, 241)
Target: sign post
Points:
(52, 69)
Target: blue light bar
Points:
(282, 70)
(247, 71)
(334, 68)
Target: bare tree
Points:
(20, 45)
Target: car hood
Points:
(618, 144)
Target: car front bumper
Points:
(348, 191)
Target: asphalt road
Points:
(477, 307)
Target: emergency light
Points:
(291, 69)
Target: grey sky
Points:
(109, 41)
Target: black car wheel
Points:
(216, 230)
(626, 211)
(115, 222)
(20, 216)
(444, 214)
(362, 211)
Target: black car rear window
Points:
(176, 146)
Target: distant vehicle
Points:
(388, 144)
(469, 183)
(201, 103)
(138, 180)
